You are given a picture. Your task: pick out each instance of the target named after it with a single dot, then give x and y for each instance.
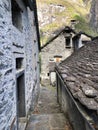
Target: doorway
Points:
(21, 96)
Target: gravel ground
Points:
(47, 114)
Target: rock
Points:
(89, 103)
(89, 91)
(96, 99)
(70, 78)
(94, 14)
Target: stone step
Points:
(48, 122)
(22, 126)
(22, 123)
(22, 119)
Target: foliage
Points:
(83, 25)
(77, 10)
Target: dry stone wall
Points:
(56, 47)
(16, 44)
(7, 80)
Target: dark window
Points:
(19, 63)
(67, 42)
(48, 74)
(16, 15)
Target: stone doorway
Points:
(20, 90)
(21, 96)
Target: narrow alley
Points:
(48, 115)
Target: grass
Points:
(72, 10)
(83, 25)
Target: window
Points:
(48, 74)
(16, 15)
(57, 58)
(67, 41)
(19, 63)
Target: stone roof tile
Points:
(80, 73)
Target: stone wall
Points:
(94, 15)
(56, 47)
(21, 45)
(78, 118)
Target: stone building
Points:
(55, 51)
(60, 48)
(80, 39)
(19, 62)
(77, 87)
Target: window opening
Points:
(19, 63)
(67, 41)
(16, 15)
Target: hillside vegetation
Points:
(56, 14)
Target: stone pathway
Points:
(47, 115)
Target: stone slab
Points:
(48, 122)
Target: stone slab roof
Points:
(80, 74)
(66, 29)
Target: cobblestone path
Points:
(47, 115)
